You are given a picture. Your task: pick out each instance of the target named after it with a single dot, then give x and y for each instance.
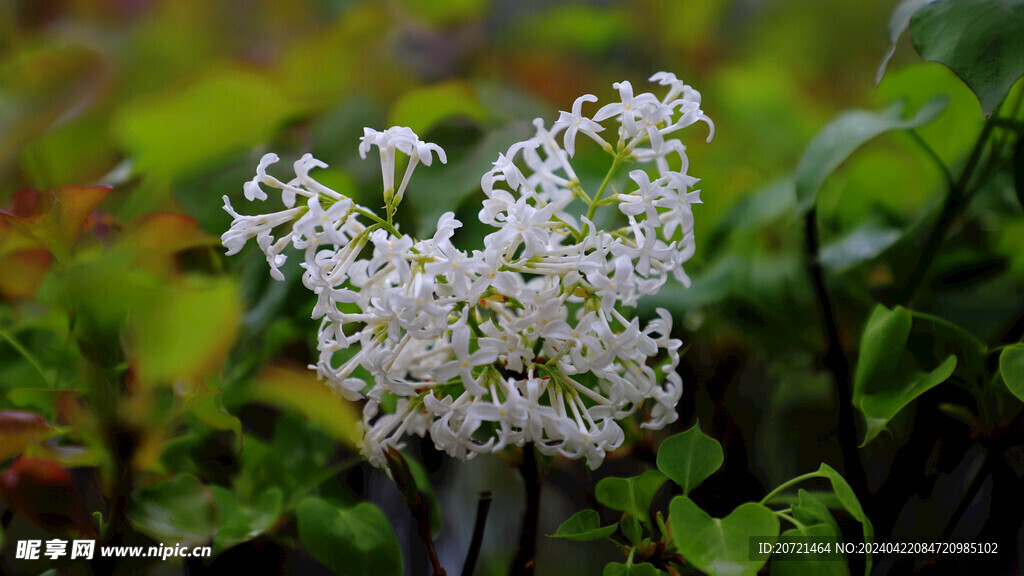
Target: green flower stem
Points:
(790, 519)
(25, 354)
(604, 184)
(782, 487)
(385, 224)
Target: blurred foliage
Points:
(138, 366)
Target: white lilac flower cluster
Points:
(527, 340)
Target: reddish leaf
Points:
(21, 429)
(24, 271)
(154, 238)
(42, 492)
(164, 232)
(65, 211)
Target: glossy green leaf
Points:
(844, 135)
(721, 546)
(355, 541)
(631, 528)
(239, 522)
(879, 408)
(690, 457)
(979, 40)
(863, 244)
(884, 337)
(179, 509)
(851, 504)
(888, 377)
(810, 510)
(620, 569)
(810, 564)
(898, 24)
(584, 526)
(632, 495)
(1011, 366)
(933, 339)
(423, 109)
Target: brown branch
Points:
(483, 507)
(834, 359)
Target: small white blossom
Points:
(527, 340)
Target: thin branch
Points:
(483, 507)
(835, 360)
(523, 563)
(934, 156)
(26, 355)
(956, 200)
(421, 513)
(403, 478)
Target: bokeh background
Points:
(172, 103)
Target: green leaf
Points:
(619, 569)
(981, 41)
(187, 331)
(182, 129)
(179, 509)
(844, 135)
(596, 29)
(355, 541)
(810, 510)
(1011, 366)
(898, 24)
(851, 504)
(887, 377)
(720, 547)
(810, 564)
(884, 336)
(239, 522)
(631, 528)
(690, 457)
(423, 109)
(933, 339)
(584, 526)
(298, 390)
(632, 495)
(861, 245)
(445, 13)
